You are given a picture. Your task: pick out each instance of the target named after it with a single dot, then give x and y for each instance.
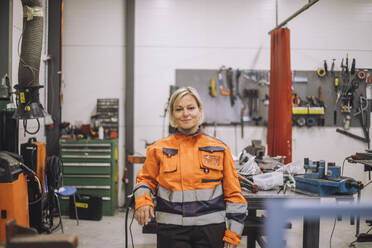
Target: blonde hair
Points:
(176, 97)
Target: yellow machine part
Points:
(13, 204)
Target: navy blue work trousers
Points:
(174, 236)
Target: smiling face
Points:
(187, 114)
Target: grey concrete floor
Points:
(109, 233)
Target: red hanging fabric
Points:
(279, 131)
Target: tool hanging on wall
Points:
(350, 83)
(240, 96)
(352, 69)
(212, 88)
(361, 75)
(230, 84)
(238, 73)
(322, 72)
(325, 67)
(333, 67)
(223, 90)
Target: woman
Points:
(193, 176)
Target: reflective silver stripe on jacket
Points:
(236, 208)
(190, 195)
(176, 219)
(235, 226)
(142, 188)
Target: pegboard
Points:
(308, 83)
(219, 109)
(304, 83)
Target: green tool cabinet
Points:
(92, 167)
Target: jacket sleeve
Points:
(236, 205)
(147, 180)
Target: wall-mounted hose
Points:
(32, 37)
(29, 106)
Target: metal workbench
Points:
(254, 226)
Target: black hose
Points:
(29, 132)
(32, 37)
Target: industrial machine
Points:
(13, 192)
(324, 179)
(34, 156)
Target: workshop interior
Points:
(84, 89)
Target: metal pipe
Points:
(277, 14)
(294, 15)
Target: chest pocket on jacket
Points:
(170, 160)
(211, 162)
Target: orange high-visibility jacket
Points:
(195, 183)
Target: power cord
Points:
(29, 132)
(130, 203)
(130, 228)
(333, 229)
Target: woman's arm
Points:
(147, 180)
(236, 205)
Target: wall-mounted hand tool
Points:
(337, 89)
(212, 88)
(361, 75)
(325, 67)
(352, 69)
(296, 101)
(321, 72)
(252, 96)
(333, 67)
(223, 90)
(242, 120)
(238, 73)
(230, 85)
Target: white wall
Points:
(194, 34)
(93, 54)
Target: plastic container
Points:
(267, 181)
(101, 133)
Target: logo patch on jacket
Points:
(211, 160)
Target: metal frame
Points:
(305, 7)
(6, 10)
(129, 92)
(54, 67)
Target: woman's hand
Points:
(143, 214)
(228, 245)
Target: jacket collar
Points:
(197, 133)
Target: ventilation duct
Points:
(29, 106)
